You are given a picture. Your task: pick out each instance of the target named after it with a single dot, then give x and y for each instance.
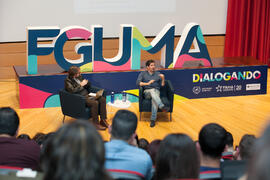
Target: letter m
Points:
(164, 41)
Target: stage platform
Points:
(228, 77)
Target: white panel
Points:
(123, 6)
(150, 16)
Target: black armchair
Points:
(166, 96)
(74, 105)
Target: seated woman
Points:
(177, 158)
(74, 83)
(75, 151)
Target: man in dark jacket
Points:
(75, 83)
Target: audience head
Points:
(9, 121)
(73, 71)
(246, 146)
(124, 125)
(260, 161)
(47, 137)
(177, 158)
(75, 151)
(143, 143)
(24, 136)
(147, 64)
(229, 140)
(153, 148)
(39, 138)
(212, 140)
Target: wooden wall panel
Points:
(7, 73)
(15, 53)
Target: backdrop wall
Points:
(150, 16)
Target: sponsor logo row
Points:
(230, 88)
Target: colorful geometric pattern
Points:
(164, 39)
(38, 97)
(119, 62)
(191, 34)
(81, 48)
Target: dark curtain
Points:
(248, 29)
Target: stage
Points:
(228, 77)
(238, 114)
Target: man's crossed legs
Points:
(156, 103)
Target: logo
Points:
(196, 89)
(230, 88)
(227, 76)
(253, 87)
(207, 89)
(219, 88)
(237, 87)
(131, 42)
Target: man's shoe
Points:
(152, 123)
(99, 127)
(165, 109)
(104, 123)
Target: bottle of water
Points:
(112, 97)
(124, 96)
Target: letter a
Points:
(191, 33)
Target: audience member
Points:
(228, 154)
(75, 151)
(260, 160)
(47, 136)
(152, 81)
(135, 141)
(75, 83)
(212, 140)
(152, 150)
(123, 159)
(15, 152)
(177, 158)
(143, 143)
(24, 136)
(245, 148)
(39, 138)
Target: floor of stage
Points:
(239, 115)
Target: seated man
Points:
(121, 157)
(212, 140)
(15, 152)
(75, 83)
(152, 80)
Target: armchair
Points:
(74, 105)
(166, 96)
